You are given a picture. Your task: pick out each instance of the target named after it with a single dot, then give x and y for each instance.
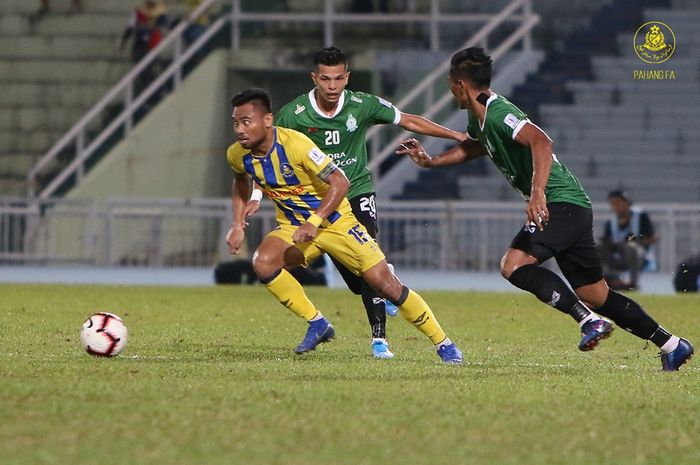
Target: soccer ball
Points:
(103, 334)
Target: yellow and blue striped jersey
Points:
(291, 173)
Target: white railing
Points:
(329, 17)
(432, 235)
(122, 94)
(425, 88)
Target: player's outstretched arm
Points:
(464, 151)
(240, 193)
(541, 147)
(338, 188)
(422, 125)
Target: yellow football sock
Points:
(290, 294)
(416, 311)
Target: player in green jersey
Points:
(337, 120)
(559, 217)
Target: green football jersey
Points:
(341, 136)
(502, 122)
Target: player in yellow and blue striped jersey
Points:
(314, 217)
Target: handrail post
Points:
(178, 51)
(235, 24)
(79, 149)
(128, 98)
(31, 185)
(527, 12)
(434, 25)
(327, 23)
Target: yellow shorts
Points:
(346, 240)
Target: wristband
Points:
(315, 220)
(256, 196)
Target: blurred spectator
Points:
(147, 24)
(198, 26)
(626, 247)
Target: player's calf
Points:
(549, 288)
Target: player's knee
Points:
(265, 264)
(507, 267)
(512, 261)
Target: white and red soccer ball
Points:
(103, 334)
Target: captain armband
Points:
(327, 171)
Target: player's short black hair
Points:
(256, 95)
(472, 64)
(330, 56)
(619, 194)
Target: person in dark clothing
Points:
(626, 246)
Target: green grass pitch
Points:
(209, 377)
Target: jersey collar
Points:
(488, 102)
(272, 147)
(314, 104)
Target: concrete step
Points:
(108, 25)
(35, 118)
(620, 69)
(17, 165)
(583, 131)
(640, 189)
(103, 71)
(60, 46)
(64, 94)
(598, 111)
(12, 186)
(38, 140)
(14, 24)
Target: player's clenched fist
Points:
(234, 239)
(304, 233)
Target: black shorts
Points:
(364, 208)
(568, 237)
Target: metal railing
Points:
(425, 88)
(122, 93)
(329, 17)
(428, 235)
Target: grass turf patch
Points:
(209, 377)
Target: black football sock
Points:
(631, 317)
(374, 305)
(550, 289)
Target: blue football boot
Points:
(593, 332)
(390, 308)
(319, 331)
(673, 360)
(450, 354)
(380, 348)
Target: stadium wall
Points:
(177, 150)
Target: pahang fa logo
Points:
(654, 42)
